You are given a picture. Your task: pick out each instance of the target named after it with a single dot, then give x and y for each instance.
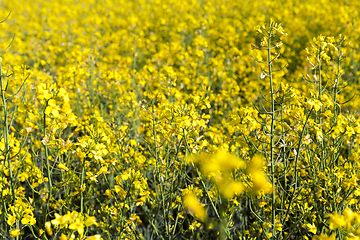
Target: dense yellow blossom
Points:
(120, 117)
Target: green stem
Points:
(159, 177)
(48, 170)
(6, 134)
(296, 167)
(81, 187)
(273, 210)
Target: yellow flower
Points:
(258, 29)
(279, 227)
(62, 167)
(193, 205)
(255, 169)
(324, 237)
(95, 237)
(311, 228)
(15, 232)
(194, 225)
(90, 221)
(78, 226)
(314, 103)
(63, 237)
(229, 188)
(326, 114)
(11, 220)
(52, 109)
(28, 219)
(220, 161)
(336, 221)
(48, 228)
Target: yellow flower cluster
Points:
(220, 167)
(72, 221)
(260, 183)
(348, 221)
(179, 119)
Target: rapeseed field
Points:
(192, 119)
